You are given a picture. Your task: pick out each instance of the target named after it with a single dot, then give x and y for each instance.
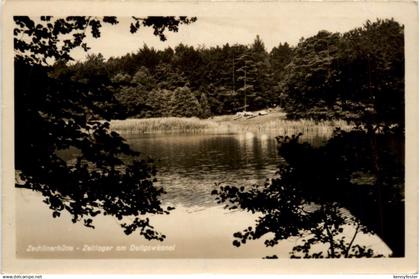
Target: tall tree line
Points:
(353, 75)
(358, 75)
(213, 81)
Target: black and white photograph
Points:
(261, 131)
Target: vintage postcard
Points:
(210, 137)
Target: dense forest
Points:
(359, 73)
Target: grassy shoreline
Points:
(274, 122)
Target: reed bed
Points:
(301, 126)
(226, 124)
(166, 125)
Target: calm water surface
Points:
(189, 167)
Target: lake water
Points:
(189, 167)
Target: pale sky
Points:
(287, 24)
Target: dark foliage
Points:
(356, 179)
(60, 108)
(49, 38)
(160, 24)
(357, 76)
